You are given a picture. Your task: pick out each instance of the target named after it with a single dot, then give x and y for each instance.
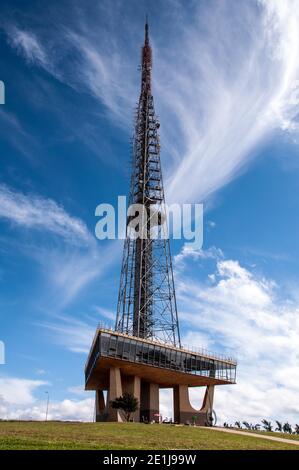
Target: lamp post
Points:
(47, 409)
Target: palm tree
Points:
(296, 428)
(247, 425)
(267, 425)
(287, 428)
(279, 426)
(127, 402)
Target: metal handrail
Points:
(198, 351)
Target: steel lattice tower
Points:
(146, 302)
(131, 358)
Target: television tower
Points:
(146, 303)
(143, 354)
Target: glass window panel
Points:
(188, 362)
(139, 352)
(168, 358)
(119, 347)
(212, 369)
(112, 346)
(182, 365)
(151, 354)
(162, 357)
(126, 350)
(173, 358)
(157, 356)
(104, 343)
(179, 360)
(145, 353)
(194, 363)
(133, 350)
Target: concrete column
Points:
(149, 401)
(115, 391)
(183, 411)
(101, 411)
(131, 384)
(207, 405)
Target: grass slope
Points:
(109, 436)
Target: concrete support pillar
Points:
(183, 411)
(207, 405)
(149, 401)
(115, 391)
(131, 384)
(101, 411)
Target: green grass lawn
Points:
(59, 435)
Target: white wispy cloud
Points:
(12, 129)
(236, 85)
(223, 80)
(105, 313)
(71, 333)
(27, 44)
(67, 267)
(77, 390)
(34, 211)
(188, 252)
(68, 272)
(18, 401)
(99, 73)
(244, 314)
(18, 391)
(74, 334)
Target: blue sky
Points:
(225, 83)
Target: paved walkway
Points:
(259, 436)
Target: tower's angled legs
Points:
(101, 412)
(115, 391)
(149, 401)
(183, 411)
(104, 411)
(207, 404)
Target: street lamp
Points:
(47, 409)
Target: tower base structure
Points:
(184, 412)
(120, 363)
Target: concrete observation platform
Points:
(119, 363)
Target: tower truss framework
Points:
(147, 303)
(143, 353)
